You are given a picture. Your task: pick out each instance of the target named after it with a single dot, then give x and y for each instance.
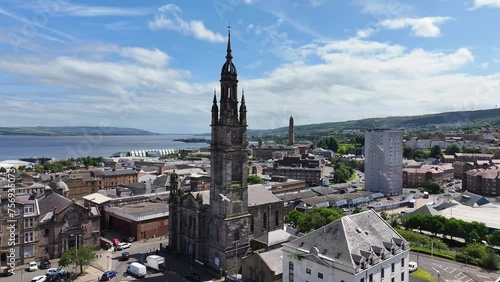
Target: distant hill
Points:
(71, 131)
(460, 119)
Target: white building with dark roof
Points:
(359, 247)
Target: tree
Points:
(359, 140)
(384, 215)
(255, 179)
(3, 170)
(471, 150)
(84, 256)
(494, 238)
(313, 218)
(452, 149)
(435, 151)
(490, 261)
(407, 152)
(432, 187)
(329, 142)
(341, 174)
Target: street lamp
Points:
(465, 261)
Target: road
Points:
(112, 262)
(451, 271)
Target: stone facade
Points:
(214, 226)
(111, 179)
(25, 220)
(65, 224)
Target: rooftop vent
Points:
(367, 233)
(358, 230)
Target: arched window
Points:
(264, 221)
(290, 272)
(251, 223)
(277, 218)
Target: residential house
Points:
(359, 247)
(25, 222)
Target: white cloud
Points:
(350, 79)
(421, 27)
(248, 2)
(383, 8)
(144, 56)
(365, 33)
(485, 3)
(68, 8)
(169, 18)
(316, 3)
(484, 65)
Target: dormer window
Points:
(28, 209)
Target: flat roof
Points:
(488, 214)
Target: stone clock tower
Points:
(228, 229)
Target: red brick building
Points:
(140, 220)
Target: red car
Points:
(116, 242)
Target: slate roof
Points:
(259, 195)
(351, 240)
(273, 259)
(471, 199)
(425, 209)
(53, 200)
(275, 237)
(115, 173)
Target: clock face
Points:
(235, 136)
(220, 134)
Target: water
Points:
(65, 147)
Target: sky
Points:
(154, 65)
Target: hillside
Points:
(456, 120)
(71, 131)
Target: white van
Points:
(412, 266)
(136, 269)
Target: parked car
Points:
(55, 271)
(60, 277)
(128, 239)
(123, 246)
(40, 278)
(45, 264)
(136, 269)
(125, 256)
(7, 271)
(116, 242)
(108, 274)
(32, 266)
(412, 266)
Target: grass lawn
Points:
(422, 274)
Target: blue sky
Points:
(154, 64)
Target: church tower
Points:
(228, 237)
(291, 132)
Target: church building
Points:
(216, 226)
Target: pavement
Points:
(94, 271)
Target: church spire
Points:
(215, 110)
(229, 56)
(228, 69)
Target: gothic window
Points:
(264, 221)
(73, 219)
(236, 235)
(251, 223)
(277, 218)
(290, 272)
